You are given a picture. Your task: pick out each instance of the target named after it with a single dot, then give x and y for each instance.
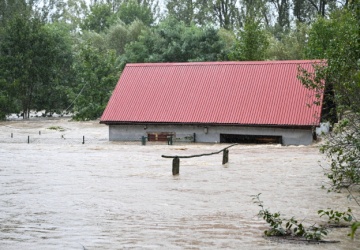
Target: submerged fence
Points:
(49, 139)
(176, 158)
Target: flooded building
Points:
(214, 102)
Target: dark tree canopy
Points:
(34, 60)
(99, 18)
(172, 41)
(36, 31)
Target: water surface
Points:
(56, 194)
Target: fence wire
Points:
(38, 139)
(53, 140)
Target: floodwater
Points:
(57, 193)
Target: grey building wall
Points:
(212, 135)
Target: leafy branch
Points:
(280, 226)
(335, 218)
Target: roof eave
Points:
(208, 124)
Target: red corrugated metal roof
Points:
(261, 93)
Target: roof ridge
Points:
(169, 64)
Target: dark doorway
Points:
(259, 139)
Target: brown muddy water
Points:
(57, 193)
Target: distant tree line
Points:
(58, 55)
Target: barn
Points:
(223, 102)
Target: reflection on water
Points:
(115, 196)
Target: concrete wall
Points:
(135, 132)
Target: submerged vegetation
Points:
(294, 228)
(280, 226)
(58, 128)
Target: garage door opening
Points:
(246, 139)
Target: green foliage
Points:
(7, 104)
(354, 227)
(132, 10)
(99, 18)
(336, 217)
(338, 40)
(282, 23)
(252, 44)
(35, 60)
(8, 9)
(190, 11)
(255, 10)
(320, 36)
(290, 46)
(226, 13)
(303, 11)
(69, 12)
(280, 226)
(120, 34)
(97, 75)
(57, 128)
(172, 41)
(343, 149)
(94, 39)
(58, 78)
(215, 13)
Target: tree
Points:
(33, 59)
(97, 74)
(304, 11)
(339, 43)
(8, 8)
(99, 18)
(320, 36)
(291, 45)
(132, 10)
(115, 4)
(252, 43)
(7, 102)
(228, 40)
(282, 24)
(226, 13)
(307, 10)
(336, 39)
(255, 10)
(70, 12)
(52, 95)
(120, 34)
(172, 41)
(189, 11)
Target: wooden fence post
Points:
(176, 166)
(143, 140)
(225, 156)
(176, 158)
